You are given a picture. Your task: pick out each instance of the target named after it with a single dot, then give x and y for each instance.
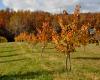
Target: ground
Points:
(23, 61)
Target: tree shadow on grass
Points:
(14, 60)
(11, 55)
(8, 51)
(39, 75)
(87, 58)
(36, 75)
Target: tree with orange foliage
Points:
(67, 41)
(44, 34)
(64, 42)
(83, 39)
(26, 37)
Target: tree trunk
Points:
(84, 48)
(68, 62)
(43, 48)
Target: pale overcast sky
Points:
(51, 5)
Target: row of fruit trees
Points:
(66, 40)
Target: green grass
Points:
(21, 61)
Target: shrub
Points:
(25, 37)
(3, 39)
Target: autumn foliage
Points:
(26, 37)
(65, 31)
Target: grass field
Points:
(21, 61)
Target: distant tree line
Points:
(13, 23)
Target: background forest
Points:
(13, 23)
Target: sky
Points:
(53, 6)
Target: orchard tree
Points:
(68, 38)
(44, 35)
